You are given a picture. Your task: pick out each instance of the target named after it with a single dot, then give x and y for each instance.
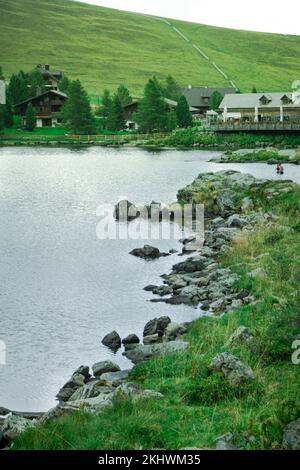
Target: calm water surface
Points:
(61, 288)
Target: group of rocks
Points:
(160, 336)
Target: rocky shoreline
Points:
(199, 281)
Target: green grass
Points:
(104, 48)
(199, 407)
(50, 132)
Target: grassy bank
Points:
(198, 407)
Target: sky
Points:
(272, 16)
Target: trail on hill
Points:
(197, 49)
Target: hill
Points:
(105, 47)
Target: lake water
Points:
(61, 288)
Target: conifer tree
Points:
(116, 119)
(152, 114)
(77, 110)
(124, 95)
(30, 118)
(184, 117)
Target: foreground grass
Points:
(199, 407)
(104, 48)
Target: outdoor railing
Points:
(253, 126)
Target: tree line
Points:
(154, 114)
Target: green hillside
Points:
(105, 47)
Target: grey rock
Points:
(196, 263)
(162, 290)
(247, 204)
(148, 252)
(174, 331)
(218, 222)
(76, 381)
(104, 366)
(145, 352)
(150, 287)
(91, 390)
(126, 211)
(218, 305)
(152, 339)
(114, 379)
(240, 336)
(133, 391)
(236, 220)
(85, 371)
(232, 368)
(13, 426)
(291, 436)
(131, 339)
(225, 442)
(156, 326)
(112, 340)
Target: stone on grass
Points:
(291, 436)
(234, 371)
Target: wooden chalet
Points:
(47, 107)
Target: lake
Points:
(61, 288)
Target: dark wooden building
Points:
(51, 77)
(47, 107)
(198, 97)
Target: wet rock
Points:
(240, 336)
(162, 290)
(148, 252)
(150, 287)
(130, 339)
(156, 326)
(112, 340)
(291, 436)
(144, 352)
(104, 366)
(85, 371)
(232, 368)
(196, 263)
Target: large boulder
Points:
(144, 352)
(104, 366)
(156, 326)
(148, 252)
(112, 340)
(291, 436)
(190, 265)
(232, 368)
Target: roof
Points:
(171, 103)
(251, 100)
(195, 95)
(54, 92)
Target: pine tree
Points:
(30, 118)
(184, 117)
(254, 90)
(171, 90)
(1, 73)
(77, 110)
(17, 90)
(35, 81)
(116, 119)
(215, 100)
(8, 115)
(124, 95)
(152, 113)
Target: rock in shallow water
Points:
(156, 326)
(148, 252)
(112, 340)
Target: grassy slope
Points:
(106, 47)
(198, 407)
